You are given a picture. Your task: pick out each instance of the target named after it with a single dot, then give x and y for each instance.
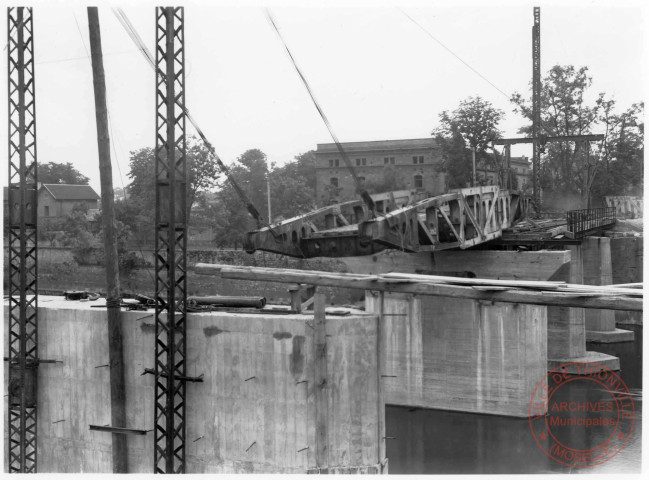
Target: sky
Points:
(375, 72)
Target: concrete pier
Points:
(461, 355)
(255, 411)
(627, 255)
(600, 324)
(567, 326)
(566, 336)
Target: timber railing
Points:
(580, 222)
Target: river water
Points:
(424, 441)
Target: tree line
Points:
(583, 173)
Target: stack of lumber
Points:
(612, 297)
(529, 229)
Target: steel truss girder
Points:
(23, 273)
(460, 219)
(334, 225)
(171, 243)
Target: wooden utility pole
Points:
(115, 347)
(473, 159)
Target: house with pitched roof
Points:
(56, 200)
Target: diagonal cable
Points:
(139, 43)
(359, 187)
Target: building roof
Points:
(62, 191)
(407, 144)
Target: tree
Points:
(456, 159)
(473, 125)
(232, 220)
(53, 172)
(292, 187)
(202, 173)
(388, 181)
(622, 152)
(574, 168)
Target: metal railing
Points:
(582, 221)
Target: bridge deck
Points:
(460, 219)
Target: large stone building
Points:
(415, 164)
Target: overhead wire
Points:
(523, 108)
(139, 43)
(359, 186)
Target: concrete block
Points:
(462, 355)
(598, 270)
(606, 361)
(263, 425)
(609, 336)
(626, 261)
(567, 326)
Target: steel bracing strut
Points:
(23, 303)
(171, 243)
(536, 110)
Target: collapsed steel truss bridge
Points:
(460, 219)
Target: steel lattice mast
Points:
(536, 109)
(23, 303)
(171, 243)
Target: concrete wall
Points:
(462, 355)
(627, 255)
(273, 409)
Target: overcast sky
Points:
(375, 72)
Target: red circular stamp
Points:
(581, 414)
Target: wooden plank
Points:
(532, 297)
(320, 385)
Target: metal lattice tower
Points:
(23, 303)
(536, 109)
(171, 243)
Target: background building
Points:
(413, 164)
(57, 200)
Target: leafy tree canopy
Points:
(475, 120)
(574, 168)
(53, 172)
(202, 171)
(473, 125)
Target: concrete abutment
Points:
(254, 412)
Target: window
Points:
(414, 159)
(358, 162)
(331, 162)
(392, 160)
(47, 210)
(336, 162)
(333, 182)
(421, 159)
(418, 159)
(419, 181)
(363, 161)
(386, 160)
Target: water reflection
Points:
(442, 442)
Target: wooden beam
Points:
(404, 285)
